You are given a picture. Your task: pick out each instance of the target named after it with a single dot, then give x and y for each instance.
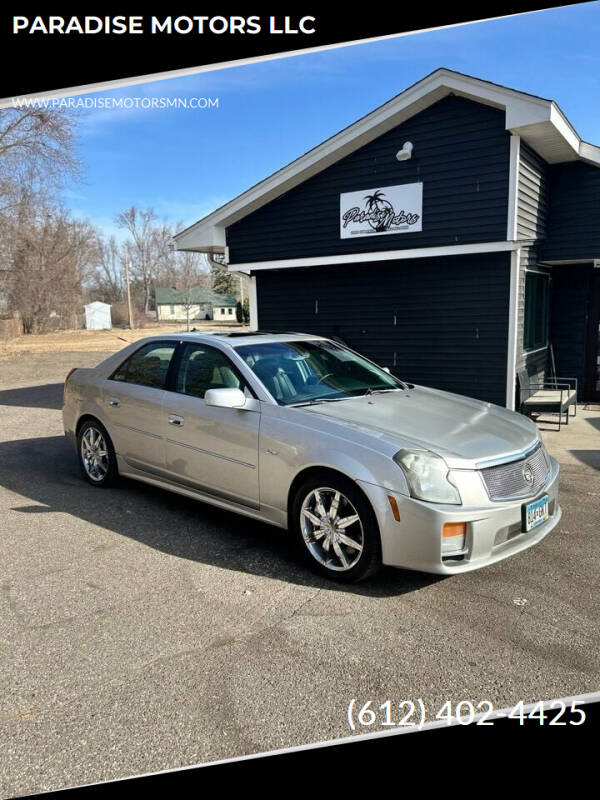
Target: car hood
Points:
(464, 431)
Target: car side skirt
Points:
(272, 516)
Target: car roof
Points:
(233, 338)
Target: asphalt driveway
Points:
(141, 631)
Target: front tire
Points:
(336, 529)
(97, 458)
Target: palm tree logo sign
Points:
(380, 214)
(381, 211)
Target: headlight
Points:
(427, 476)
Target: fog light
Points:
(454, 537)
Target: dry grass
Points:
(90, 341)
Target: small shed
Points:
(97, 316)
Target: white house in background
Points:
(179, 305)
(224, 310)
(97, 316)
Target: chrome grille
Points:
(508, 481)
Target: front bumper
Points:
(494, 529)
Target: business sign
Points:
(373, 212)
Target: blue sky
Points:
(184, 163)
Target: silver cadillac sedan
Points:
(304, 433)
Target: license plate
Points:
(535, 513)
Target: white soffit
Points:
(539, 122)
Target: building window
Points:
(172, 310)
(537, 296)
(230, 310)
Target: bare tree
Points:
(36, 150)
(105, 276)
(149, 248)
(41, 248)
(49, 258)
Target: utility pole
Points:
(128, 294)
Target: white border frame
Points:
(513, 188)
(383, 255)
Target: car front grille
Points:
(509, 481)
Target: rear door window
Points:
(148, 366)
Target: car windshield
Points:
(314, 371)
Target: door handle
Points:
(175, 420)
(114, 401)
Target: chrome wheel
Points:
(94, 454)
(332, 529)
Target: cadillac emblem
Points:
(528, 475)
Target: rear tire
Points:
(97, 458)
(336, 529)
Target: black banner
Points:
(392, 760)
(65, 48)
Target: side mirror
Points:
(225, 398)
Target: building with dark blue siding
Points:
(452, 235)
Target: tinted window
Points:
(202, 367)
(148, 366)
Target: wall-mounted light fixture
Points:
(406, 152)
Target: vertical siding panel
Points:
(440, 322)
(533, 196)
(532, 223)
(535, 363)
(574, 213)
(570, 292)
